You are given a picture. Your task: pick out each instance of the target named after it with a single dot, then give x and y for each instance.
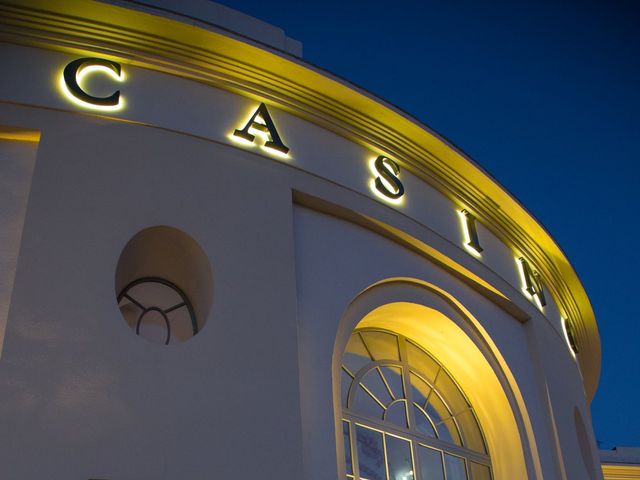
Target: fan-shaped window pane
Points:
(423, 423)
(381, 345)
(449, 390)
(367, 404)
(393, 377)
(397, 413)
(422, 362)
(472, 438)
(374, 382)
(436, 409)
(356, 355)
(448, 430)
(420, 390)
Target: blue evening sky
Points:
(545, 95)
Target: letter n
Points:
(532, 281)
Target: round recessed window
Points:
(164, 285)
(158, 311)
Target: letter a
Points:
(262, 122)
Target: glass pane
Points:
(430, 461)
(154, 294)
(347, 447)
(455, 467)
(439, 413)
(383, 346)
(449, 431)
(181, 325)
(131, 312)
(471, 432)
(355, 356)
(153, 326)
(423, 424)
(436, 409)
(373, 381)
(399, 458)
(393, 376)
(365, 404)
(479, 472)
(449, 390)
(426, 366)
(397, 414)
(345, 383)
(420, 389)
(370, 454)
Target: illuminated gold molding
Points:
(621, 472)
(19, 134)
(87, 27)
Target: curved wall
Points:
(293, 240)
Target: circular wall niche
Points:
(164, 285)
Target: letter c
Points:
(75, 70)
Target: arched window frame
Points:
(351, 417)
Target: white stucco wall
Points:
(16, 167)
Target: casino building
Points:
(219, 261)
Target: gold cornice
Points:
(621, 472)
(209, 57)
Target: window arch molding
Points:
(440, 324)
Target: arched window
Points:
(404, 417)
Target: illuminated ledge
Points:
(620, 472)
(19, 134)
(151, 41)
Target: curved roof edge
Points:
(269, 74)
(211, 15)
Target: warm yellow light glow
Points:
(82, 73)
(246, 143)
(240, 140)
(377, 193)
(17, 134)
(623, 472)
(273, 151)
(523, 279)
(260, 133)
(444, 337)
(564, 321)
(372, 185)
(406, 476)
(86, 70)
(467, 236)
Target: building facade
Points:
(220, 261)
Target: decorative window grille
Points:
(404, 417)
